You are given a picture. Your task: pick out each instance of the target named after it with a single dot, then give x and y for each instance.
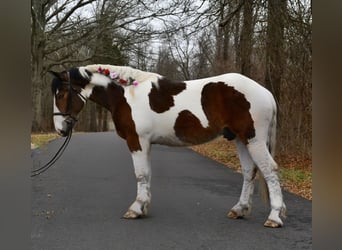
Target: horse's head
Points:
(68, 101)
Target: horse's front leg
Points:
(142, 169)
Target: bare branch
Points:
(57, 11)
(68, 14)
(232, 14)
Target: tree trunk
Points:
(105, 120)
(37, 59)
(246, 38)
(236, 39)
(92, 118)
(275, 46)
(36, 92)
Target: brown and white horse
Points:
(149, 109)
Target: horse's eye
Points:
(60, 96)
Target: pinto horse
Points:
(148, 108)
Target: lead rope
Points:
(42, 169)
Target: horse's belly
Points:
(171, 129)
(165, 134)
(169, 140)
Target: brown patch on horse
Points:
(188, 128)
(161, 95)
(114, 100)
(225, 108)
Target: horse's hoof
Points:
(131, 215)
(272, 224)
(234, 215)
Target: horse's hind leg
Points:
(264, 161)
(142, 169)
(244, 205)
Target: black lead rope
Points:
(42, 169)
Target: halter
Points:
(70, 124)
(69, 102)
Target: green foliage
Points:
(295, 175)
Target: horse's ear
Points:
(56, 74)
(62, 75)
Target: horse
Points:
(148, 108)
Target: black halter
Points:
(71, 121)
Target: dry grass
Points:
(295, 171)
(39, 139)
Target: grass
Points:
(295, 175)
(295, 171)
(40, 139)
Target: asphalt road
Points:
(78, 203)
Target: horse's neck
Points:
(124, 72)
(111, 97)
(99, 95)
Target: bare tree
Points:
(275, 59)
(49, 27)
(202, 67)
(246, 38)
(166, 64)
(296, 92)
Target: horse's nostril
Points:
(62, 133)
(70, 122)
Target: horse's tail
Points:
(272, 132)
(271, 144)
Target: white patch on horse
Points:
(159, 127)
(87, 90)
(95, 78)
(190, 99)
(124, 72)
(57, 119)
(84, 73)
(100, 80)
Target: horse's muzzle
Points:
(70, 123)
(63, 133)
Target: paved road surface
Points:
(79, 202)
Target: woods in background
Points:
(267, 40)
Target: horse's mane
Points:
(124, 72)
(56, 84)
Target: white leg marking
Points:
(263, 159)
(142, 168)
(243, 207)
